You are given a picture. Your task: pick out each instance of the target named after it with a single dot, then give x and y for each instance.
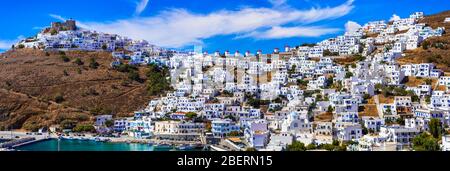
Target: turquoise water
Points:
(79, 145)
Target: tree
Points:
(292, 70)
(348, 75)
(425, 142)
(302, 82)
(388, 111)
(366, 96)
(365, 131)
(336, 143)
(318, 97)
(427, 99)
(400, 121)
(425, 44)
(109, 123)
(126, 68)
(134, 75)
(359, 57)
(329, 82)
(330, 109)
(378, 86)
(227, 93)
(104, 47)
(296, 146)
(53, 32)
(21, 46)
(328, 147)
(191, 115)
(157, 80)
(93, 63)
(84, 128)
(415, 98)
(231, 117)
(436, 128)
(311, 146)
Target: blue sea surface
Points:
(83, 145)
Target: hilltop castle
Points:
(61, 26)
(68, 25)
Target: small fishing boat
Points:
(163, 147)
(186, 147)
(101, 140)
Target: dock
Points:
(17, 139)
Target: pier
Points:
(17, 139)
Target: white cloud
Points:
(179, 27)
(278, 3)
(351, 26)
(394, 17)
(58, 17)
(6, 44)
(278, 32)
(140, 7)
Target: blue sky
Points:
(215, 24)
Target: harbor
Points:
(21, 141)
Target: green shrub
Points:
(93, 63)
(84, 128)
(59, 98)
(65, 58)
(78, 61)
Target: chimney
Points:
(259, 52)
(237, 54)
(247, 53)
(287, 48)
(217, 54)
(227, 53)
(276, 50)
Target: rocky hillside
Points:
(435, 49)
(40, 88)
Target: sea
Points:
(87, 145)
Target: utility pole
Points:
(59, 147)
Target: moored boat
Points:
(163, 146)
(186, 147)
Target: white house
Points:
(222, 127)
(398, 134)
(349, 132)
(372, 123)
(257, 133)
(296, 123)
(446, 143)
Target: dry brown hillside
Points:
(31, 81)
(438, 48)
